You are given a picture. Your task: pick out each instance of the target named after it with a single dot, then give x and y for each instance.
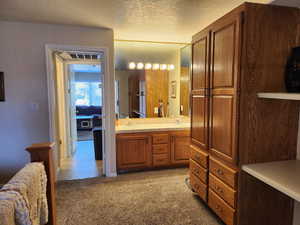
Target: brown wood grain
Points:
(43, 152)
(225, 63)
(199, 156)
(184, 91)
(223, 172)
(160, 148)
(146, 150)
(161, 159)
(198, 171)
(157, 88)
(248, 52)
(223, 190)
(180, 147)
(199, 187)
(221, 208)
(261, 204)
(134, 151)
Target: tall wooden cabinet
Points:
(234, 58)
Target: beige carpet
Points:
(145, 198)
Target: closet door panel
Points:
(221, 126)
(224, 86)
(199, 120)
(223, 51)
(200, 64)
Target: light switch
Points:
(155, 110)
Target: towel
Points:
(31, 183)
(13, 209)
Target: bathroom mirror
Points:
(152, 79)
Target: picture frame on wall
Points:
(173, 89)
(2, 91)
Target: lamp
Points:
(155, 66)
(148, 66)
(163, 66)
(140, 66)
(171, 67)
(131, 66)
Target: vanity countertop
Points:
(149, 127)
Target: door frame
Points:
(108, 111)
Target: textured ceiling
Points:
(154, 20)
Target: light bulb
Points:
(140, 66)
(148, 66)
(155, 66)
(171, 67)
(163, 66)
(131, 65)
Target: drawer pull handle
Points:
(197, 157)
(220, 190)
(220, 172)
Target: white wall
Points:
(24, 115)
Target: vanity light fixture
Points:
(131, 66)
(155, 66)
(140, 66)
(171, 67)
(163, 66)
(148, 66)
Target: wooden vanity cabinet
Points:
(234, 58)
(146, 150)
(134, 151)
(180, 147)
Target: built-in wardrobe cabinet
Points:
(234, 58)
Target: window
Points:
(88, 93)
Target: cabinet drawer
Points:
(161, 160)
(199, 156)
(160, 139)
(162, 148)
(223, 190)
(198, 187)
(198, 171)
(224, 211)
(223, 172)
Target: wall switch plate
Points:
(155, 110)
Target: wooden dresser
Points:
(234, 58)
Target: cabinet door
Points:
(180, 148)
(200, 61)
(133, 151)
(225, 57)
(200, 90)
(199, 120)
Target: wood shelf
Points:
(282, 175)
(279, 95)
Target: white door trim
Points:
(109, 157)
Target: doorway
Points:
(72, 58)
(83, 77)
